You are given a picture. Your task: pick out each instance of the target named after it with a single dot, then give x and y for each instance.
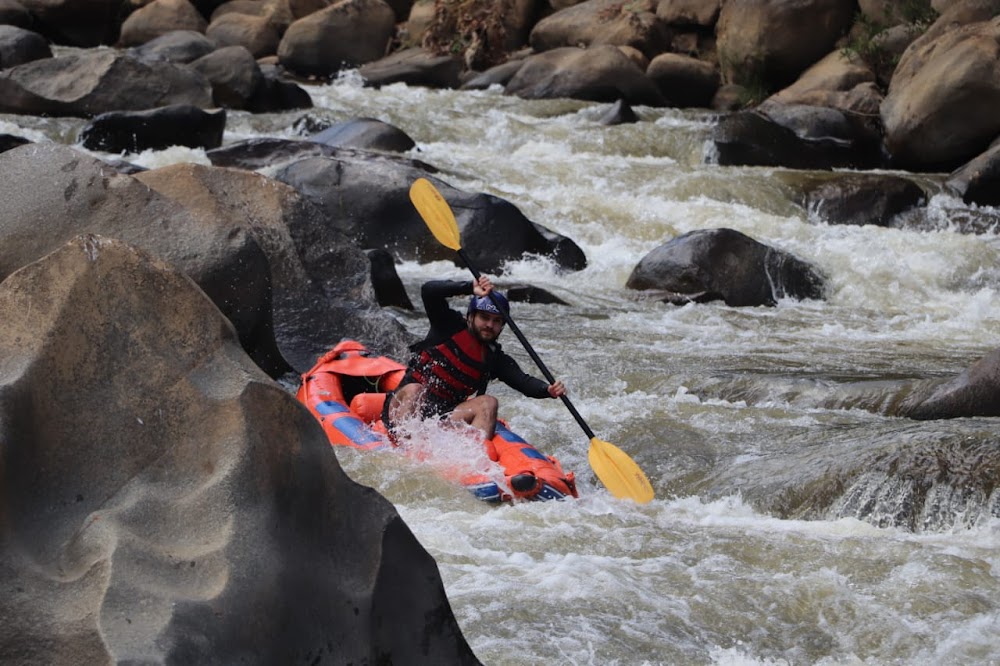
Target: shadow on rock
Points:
(163, 500)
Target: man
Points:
(455, 362)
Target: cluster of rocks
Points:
(858, 83)
(162, 498)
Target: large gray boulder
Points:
(609, 22)
(13, 13)
(978, 181)
(234, 74)
(83, 23)
(974, 392)
(770, 42)
(941, 108)
(346, 34)
(684, 81)
(365, 133)
(366, 196)
(597, 74)
(414, 67)
(724, 264)
(92, 82)
(701, 13)
(164, 501)
(52, 193)
(178, 46)
(862, 198)
(798, 137)
(159, 18)
(155, 129)
(256, 33)
(18, 46)
(320, 280)
(839, 81)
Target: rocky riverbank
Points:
(160, 493)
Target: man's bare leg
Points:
(479, 412)
(405, 403)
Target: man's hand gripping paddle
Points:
(619, 473)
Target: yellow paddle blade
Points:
(436, 213)
(620, 474)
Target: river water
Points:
(726, 409)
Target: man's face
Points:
(486, 326)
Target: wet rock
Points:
(163, 499)
(523, 293)
(156, 129)
(978, 181)
(861, 199)
(233, 73)
(366, 196)
(366, 134)
(597, 74)
(931, 482)
(389, 289)
(620, 113)
(18, 46)
(8, 141)
(273, 153)
(975, 392)
(266, 152)
(414, 67)
(723, 264)
(795, 137)
(273, 94)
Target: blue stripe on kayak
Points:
(508, 434)
(549, 493)
(331, 407)
(356, 430)
(487, 492)
(531, 452)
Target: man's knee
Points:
(404, 399)
(486, 404)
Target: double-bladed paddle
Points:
(616, 470)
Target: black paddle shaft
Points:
(528, 348)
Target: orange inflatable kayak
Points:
(346, 389)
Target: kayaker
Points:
(452, 366)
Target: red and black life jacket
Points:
(452, 370)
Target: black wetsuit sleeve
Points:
(444, 321)
(509, 372)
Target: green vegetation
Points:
(864, 41)
(918, 13)
(749, 75)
